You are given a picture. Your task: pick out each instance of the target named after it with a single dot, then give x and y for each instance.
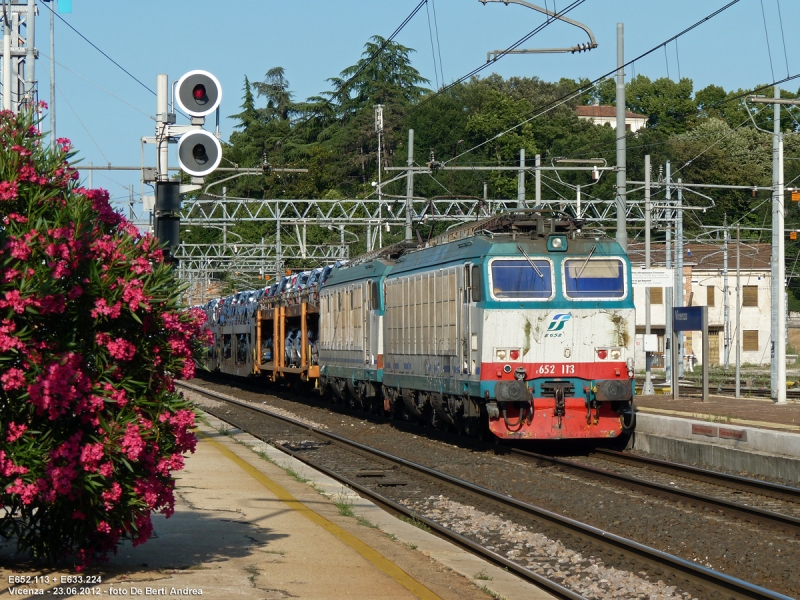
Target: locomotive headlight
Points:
(557, 243)
(615, 354)
(500, 354)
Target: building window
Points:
(750, 340)
(656, 295)
(749, 295)
(710, 295)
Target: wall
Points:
(696, 283)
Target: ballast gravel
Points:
(587, 576)
(206, 402)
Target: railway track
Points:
(768, 503)
(420, 493)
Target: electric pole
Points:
(778, 271)
(622, 232)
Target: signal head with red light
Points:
(198, 93)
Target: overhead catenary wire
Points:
(82, 124)
(438, 43)
(766, 35)
(498, 56)
(783, 35)
(433, 49)
(93, 45)
(585, 87)
(101, 88)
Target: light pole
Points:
(778, 270)
(379, 130)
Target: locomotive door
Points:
(469, 329)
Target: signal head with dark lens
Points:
(199, 153)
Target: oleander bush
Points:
(92, 336)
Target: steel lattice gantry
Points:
(292, 219)
(389, 211)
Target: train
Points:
(519, 326)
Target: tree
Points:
(92, 336)
(668, 104)
(383, 76)
(275, 88)
(249, 114)
(713, 152)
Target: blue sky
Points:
(105, 112)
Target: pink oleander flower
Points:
(132, 443)
(8, 190)
(91, 455)
(103, 527)
(26, 491)
(15, 431)
(121, 349)
(13, 379)
(92, 337)
(112, 495)
(101, 308)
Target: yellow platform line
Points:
(376, 558)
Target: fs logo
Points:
(557, 324)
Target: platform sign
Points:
(663, 278)
(689, 318)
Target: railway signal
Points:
(199, 153)
(197, 94)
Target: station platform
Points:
(752, 436)
(251, 522)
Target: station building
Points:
(704, 285)
(607, 115)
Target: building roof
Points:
(609, 112)
(706, 257)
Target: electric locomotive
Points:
(517, 326)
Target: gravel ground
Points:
(550, 558)
(764, 556)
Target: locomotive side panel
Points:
(351, 340)
(421, 331)
(344, 338)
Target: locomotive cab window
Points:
(593, 279)
(521, 279)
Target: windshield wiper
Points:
(535, 268)
(586, 262)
